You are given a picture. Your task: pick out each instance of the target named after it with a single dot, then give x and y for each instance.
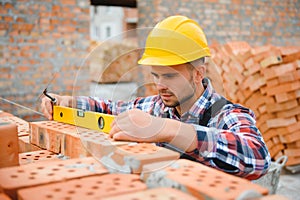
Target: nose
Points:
(159, 84)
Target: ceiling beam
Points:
(120, 3)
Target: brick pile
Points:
(117, 170)
(267, 80)
(22, 131)
(113, 62)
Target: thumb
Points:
(118, 136)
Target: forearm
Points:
(92, 104)
(182, 135)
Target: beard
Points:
(173, 100)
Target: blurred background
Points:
(80, 47)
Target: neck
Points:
(186, 105)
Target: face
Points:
(175, 84)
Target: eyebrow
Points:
(166, 74)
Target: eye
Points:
(169, 75)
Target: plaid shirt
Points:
(231, 136)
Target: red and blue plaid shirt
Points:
(230, 137)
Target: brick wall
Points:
(257, 22)
(254, 21)
(39, 39)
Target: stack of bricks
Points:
(117, 170)
(24, 144)
(112, 62)
(265, 79)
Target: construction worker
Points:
(187, 114)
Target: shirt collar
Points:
(208, 96)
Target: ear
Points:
(199, 73)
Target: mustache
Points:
(165, 92)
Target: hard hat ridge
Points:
(175, 40)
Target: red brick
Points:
(272, 82)
(280, 122)
(49, 134)
(237, 47)
(293, 128)
(72, 145)
(294, 145)
(292, 152)
(16, 178)
(225, 68)
(246, 93)
(276, 149)
(278, 70)
(289, 96)
(98, 143)
(70, 140)
(289, 54)
(236, 66)
(276, 140)
(96, 187)
(200, 180)
(224, 55)
(257, 83)
(252, 70)
(8, 19)
(240, 97)
(55, 8)
(262, 109)
(287, 87)
(292, 137)
(5, 114)
(277, 107)
(263, 117)
(294, 76)
(289, 113)
(132, 157)
(4, 197)
(269, 143)
(153, 194)
(9, 145)
(261, 52)
(69, 2)
(269, 134)
(8, 6)
(37, 156)
(256, 100)
(23, 126)
(293, 161)
(26, 146)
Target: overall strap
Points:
(213, 110)
(210, 112)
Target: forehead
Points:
(182, 68)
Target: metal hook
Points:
(53, 100)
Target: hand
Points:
(136, 125)
(46, 104)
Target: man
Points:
(177, 52)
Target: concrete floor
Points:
(289, 184)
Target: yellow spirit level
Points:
(87, 119)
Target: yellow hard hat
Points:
(175, 40)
